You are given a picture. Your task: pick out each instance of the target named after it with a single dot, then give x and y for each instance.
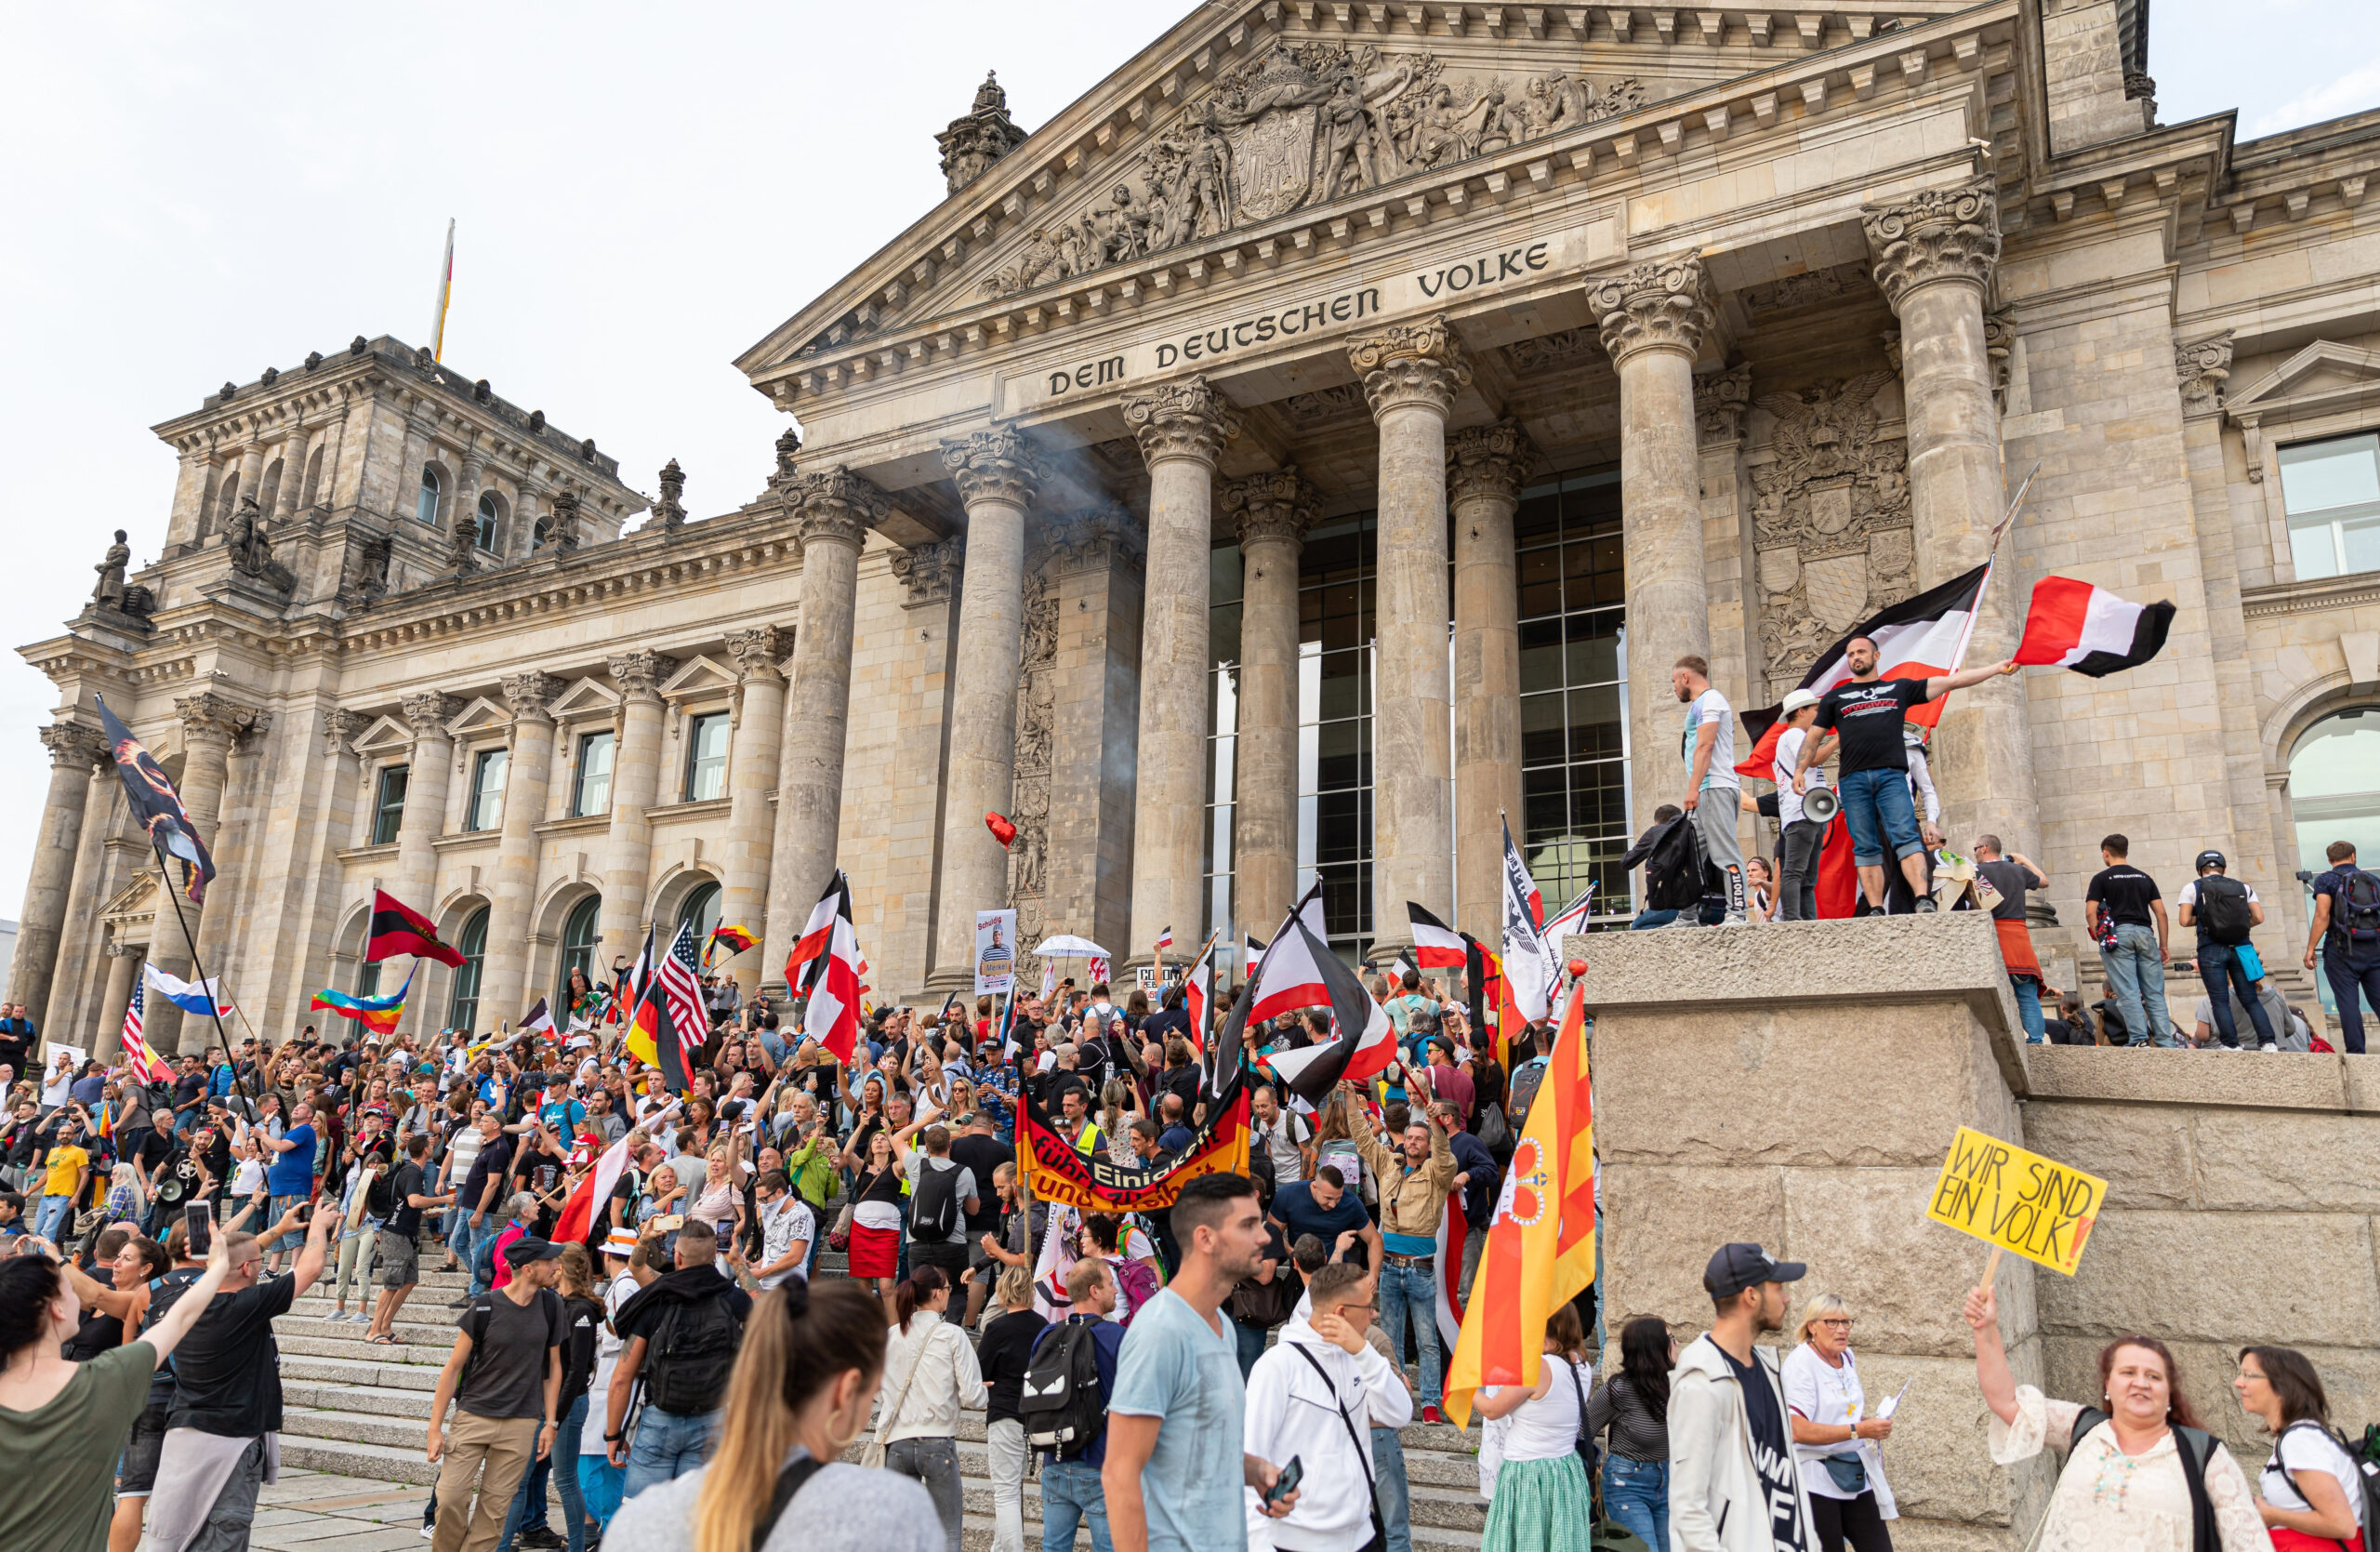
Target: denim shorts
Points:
(1874, 799)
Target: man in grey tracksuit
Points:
(1733, 1483)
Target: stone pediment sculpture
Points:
(1302, 125)
(250, 547)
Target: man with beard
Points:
(1731, 1452)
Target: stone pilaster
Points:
(751, 777)
(1182, 429)
(999, 476)
(69, 983)
(1654, 319)
(1722, 401)
(636, 782)
(528, 766)
(295, 447)
(1934, 253)
(1411, 373)
(1273, 512)
(233, 897)
(1485, 466)
(211, 722)
(57, 848)
(251, 487)
(833, 512)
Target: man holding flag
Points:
(1414, 1184)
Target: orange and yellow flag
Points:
(1541, 1241)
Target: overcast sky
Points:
(197, 193)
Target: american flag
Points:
(145, 1062)
(678, 982)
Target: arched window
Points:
(314, 492)
(426, 506)
(272, 477)
(702, 909)
(537, 535)
(486, 540)
(578, 942)
(2335, 793)
(463, 1012)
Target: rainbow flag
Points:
(379, 1015)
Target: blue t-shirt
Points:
(1176, 1368)
(291, 1173)
(1294, 1205)
(564, 1114)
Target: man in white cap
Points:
(1801, 837)
(1733, 1483)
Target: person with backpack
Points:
(2316, 1494)
(2141, 1469)
(682, 1331)
(504, 1378)
(2123, 913)
(942, 1195)
(1065, 1407)
(2223, 911)
(2346, 927)
(930, 1374)
(1314, 1395)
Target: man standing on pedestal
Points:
(1713, 789)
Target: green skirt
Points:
(1540, 1505)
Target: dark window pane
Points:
(1223, 575)
(1345, 898)
(1594, 724)
(1223, 635)
(1340, 834)
(1538, 517)
(1346, 684)
(1545, 804)
(1343, 617)
(1541, 724)
(1342, 755)
(1593, 648)
(1541, 583)
(1541, 654)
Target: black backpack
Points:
(2358, 917)
(2223, 909)
(933, 1210)
(689, 1356)
(2198, 1452)
(1063, 1407)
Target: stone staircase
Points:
(363, 1411)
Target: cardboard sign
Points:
(2016, 1201)
(995, 952)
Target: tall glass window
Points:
(367, 983)
(388, 803)
(702, 909)
(487, 789)
(591, 786)
(578, 941)
(425, 507)
(485, 538)
(1574, 695)
(1222, 727)
(2333, 492)
(706, 758)
(2334, 795)
(463, 1010)
(1335, 603)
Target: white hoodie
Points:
(1718, 1502)
(1292, 1413)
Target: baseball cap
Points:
(520, 1253)
(1796, 699)
(2211, 859)
(1737, 1267)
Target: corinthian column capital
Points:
(208, 718)
(1421, 362)
(835, 506)
(528, 694)
(71, 744)
(428, 712)
(757, 651)
(1488, 461)
(1660, 306)
(1278, 505)
(340, 728)
(1937, 234)
(929, 573)
(640, 673)
(997, 465)
(1180, 421)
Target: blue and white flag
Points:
(198, 996)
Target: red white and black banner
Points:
(1529, 967)
(831, 1017)
(2074, 625)
(1917, 638)
(1289, 971)
(1436, 945)
(1364, 1042)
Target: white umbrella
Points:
(1067, 946)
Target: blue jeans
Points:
(52, 1212)
(529, 1504)
(1874, 799)
(2349, 976)
(1636, 1494)
(2219, 970)
(1405, 1290)
(1390, 1490)
(2028, 1006)
(667, 1446)
(275, 1210)
(1071, 1494)
(2137, 974)
(1252, 1345)
(1648, 920)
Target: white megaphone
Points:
(1821, 805)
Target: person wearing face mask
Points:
(805, 1378)
(2141, 1471)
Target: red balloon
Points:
(1003, 832)
(1577, 968)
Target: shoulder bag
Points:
(873, 1456)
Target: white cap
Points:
(1796, 699)
(620, 1242)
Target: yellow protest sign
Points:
(2016, 1201)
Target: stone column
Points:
(124, 963)
(505, 971)
(1485, 467)
(833, 510)
(293, 472)
(69, 983)
(999, 475)
(251, 484)
(57, 846)
(1182, 428)
(1934, 253)
(1411, 373)
(192, 486)
(235, 891)
(635, 781)
(210, 724)
(752, 773)
(1273, 512)
(1653, 318)
(428, 775)
(467, 504)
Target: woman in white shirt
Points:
(930, 1373)
(1539, 1499)
(1835, 1445)
(2312, 1490)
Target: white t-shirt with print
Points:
(2309, 1449)
(1712, 708)
(1789, 755)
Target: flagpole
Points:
(166, 877)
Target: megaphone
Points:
(1821, 805)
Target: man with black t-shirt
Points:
(1731, 1446)
(2126, 918)
(482, 1189)
(1865, 712)
(981, 1154)
(399, 1251)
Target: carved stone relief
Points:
(1302, 124)
(2203, 366)
(1565, 347)
(1808, 289)
(1037, 689)
(1339, 402)
(1830, 520)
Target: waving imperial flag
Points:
(2072, 625)
(1366, 1041)
(158, 808)
(832, 983)
(397, 928)
(1436, 945)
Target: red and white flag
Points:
(831, 1017)
(1528, 969)
(1572, 920)
(817, 932)
(1165, 940)
(1290, 973)
(2074, 625)
(578, 1212)
(1364, 1042)
(1436, 945)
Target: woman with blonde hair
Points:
(1834, 1445)
(807, 1374)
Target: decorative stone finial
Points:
(670, 511)
(971, 145)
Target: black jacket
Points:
(1672, 853)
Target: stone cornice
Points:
(2359, 590)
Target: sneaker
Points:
(1925, 906)
(463, 1303)
(358, 1319)
(2268, 1046)
(1432, 1414)
(337, 1317)
(539, 1536)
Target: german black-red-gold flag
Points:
(1093, 1182)
(397, 928)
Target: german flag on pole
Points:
(1541, 1241)
(397, 928)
